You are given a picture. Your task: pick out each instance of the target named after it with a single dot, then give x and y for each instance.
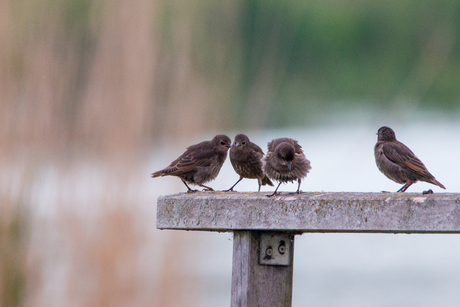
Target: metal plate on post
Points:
(275, 249)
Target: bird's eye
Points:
(222, 143)
(244, 143)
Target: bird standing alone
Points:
(285, 162)
(396, 161)
(200, 163)
(246, 158)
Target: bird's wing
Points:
(405, 158)
(192, 160)
(257, 149)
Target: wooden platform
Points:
(311, 212)
(264, 228)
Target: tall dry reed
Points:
(87, 88)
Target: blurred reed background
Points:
(90, 89)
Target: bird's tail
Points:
(158, 174)
(434, 181)
(266, 181)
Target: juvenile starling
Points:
(285, 162)
(246, 158)
(200, 163)
(396, 161)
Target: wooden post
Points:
(260, 277)
(255, 284)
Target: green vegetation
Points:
(246, 63)
(372, 51)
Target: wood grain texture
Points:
(311, 212)
(255, 285)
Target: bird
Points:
(246, 158)
(200, 163)
(396, 161)
(285, 162)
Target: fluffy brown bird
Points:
(396, 161)
(285, 162)
(200, 163)
(246, 158)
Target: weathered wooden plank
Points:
(255, 285)
(311, 212)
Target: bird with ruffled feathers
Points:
(285, 161)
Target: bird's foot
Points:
(274, 193)
(229, 190)
(430, 191)
(192, 191)
(206, 188)
(385, 191)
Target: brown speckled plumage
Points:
(285, 162)
(396, 161)
(246, 158)
(200, 163)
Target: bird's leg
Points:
(407, 186)
(206, 188)
(404, 188)
(231, 189)
(274, 193)
(298, 188)
(189, 190)
(259, 187)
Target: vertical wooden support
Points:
(256, 285)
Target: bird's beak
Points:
(228, 145)
(289, 165)
(238, 146)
